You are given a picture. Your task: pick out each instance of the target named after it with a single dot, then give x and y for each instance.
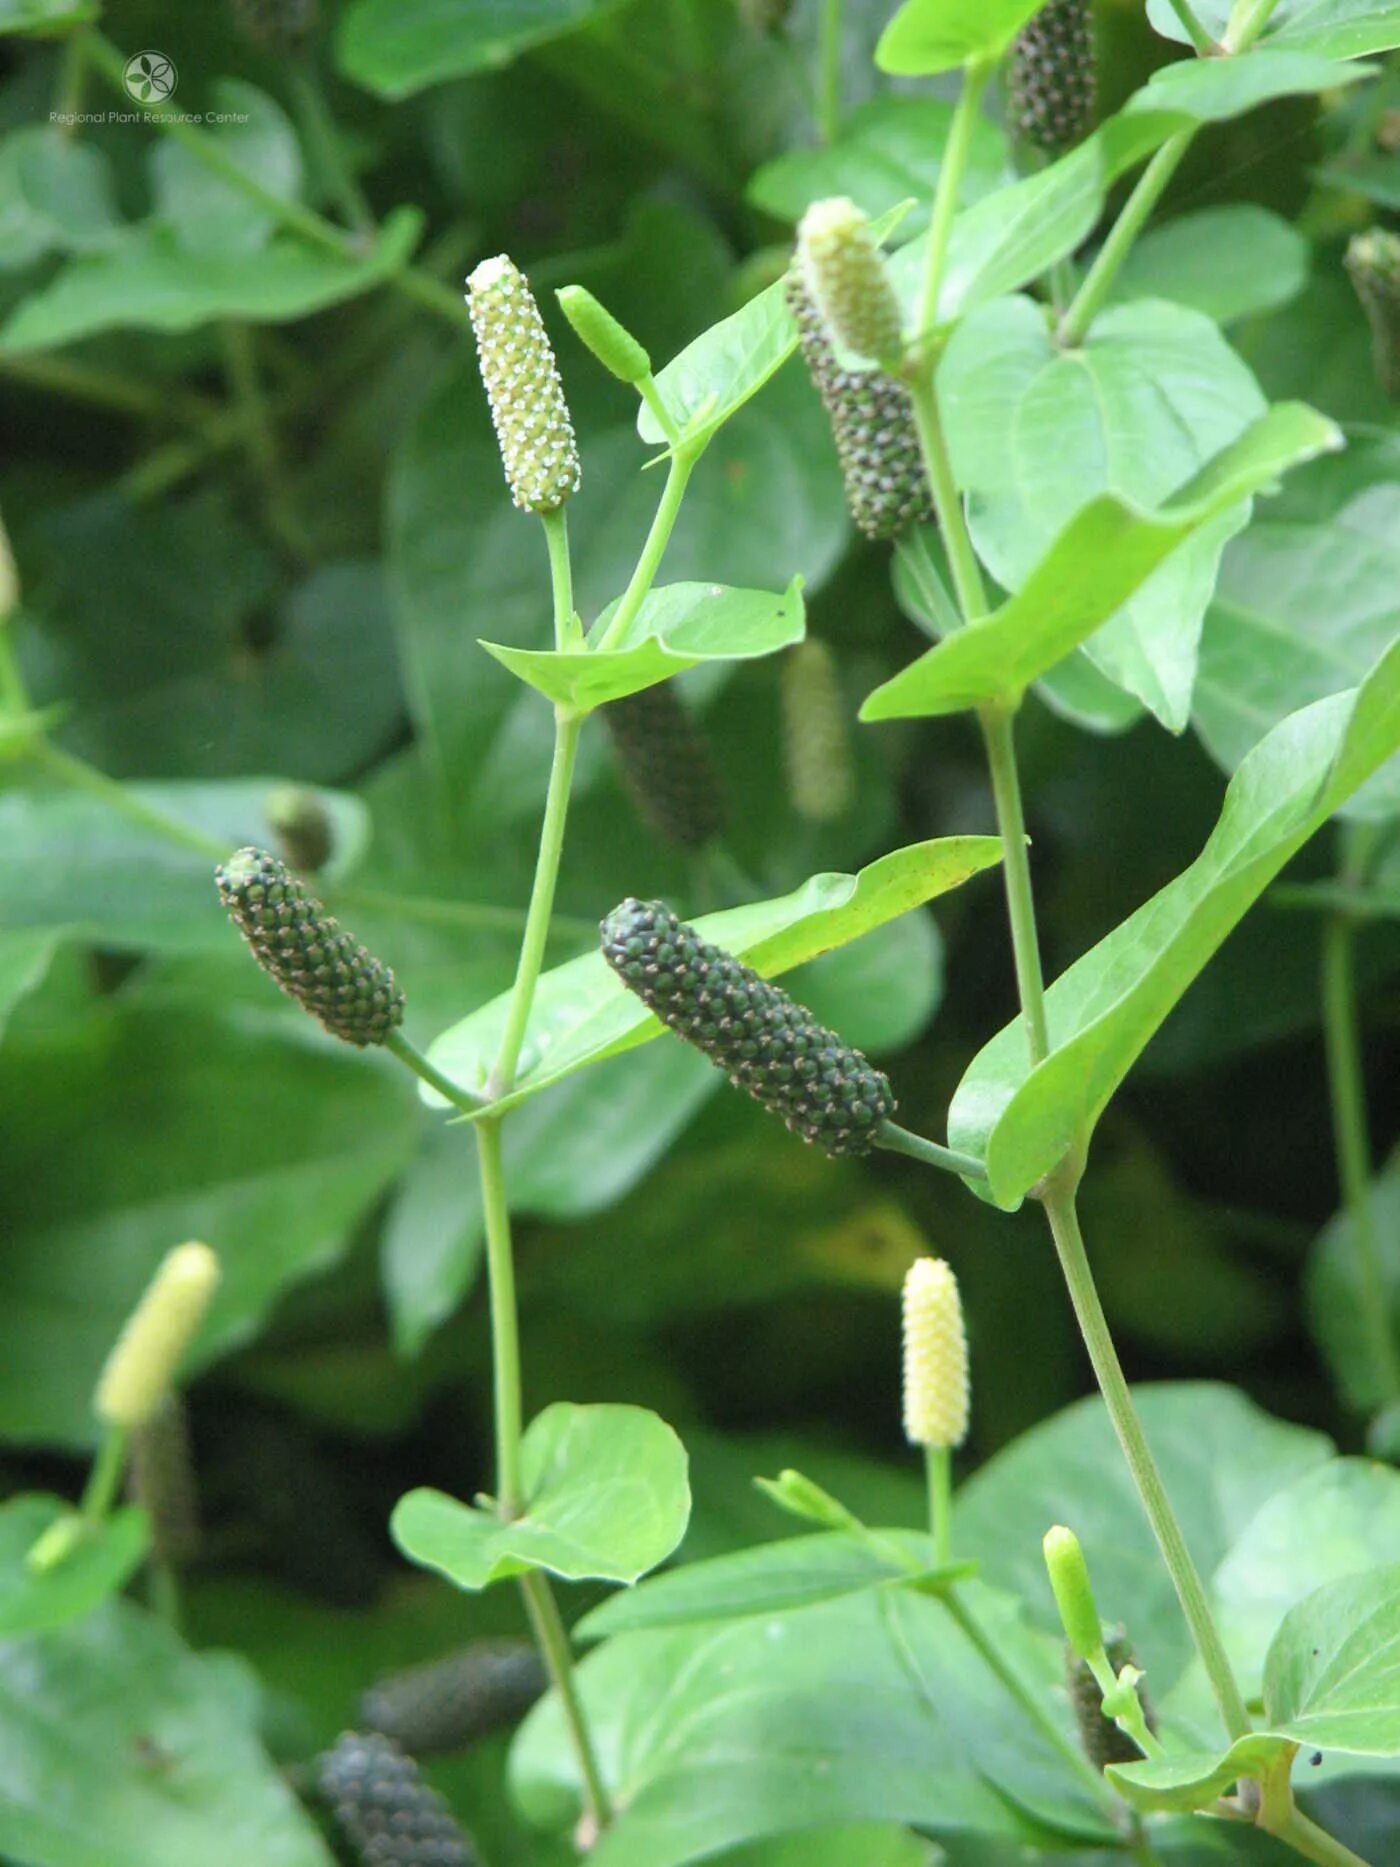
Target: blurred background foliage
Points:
(259, 524)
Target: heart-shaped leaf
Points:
(1210, 90)
(606, 1498)
(101, 1562)
(938, 35)
(397, 47)
(1326, 28)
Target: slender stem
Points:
(72, 76)
(260, 436)
(1193, 28)
(322, 137)
(962, 560)
(829, 67)
(105, 1478)
(1346, 1084)
(567, 728)
(164, 1584)
(84, 777)
(897, 1140)
(554, 1645)
(945, 199)
(505, 1322)
(408, 1054)
(1098, 282)
(998, 732)
(1247, 21)
(568, 632)
(662, 525)
(1069, 1243)
(938, 1473)
(85, 382)
(479, 916)
(651, 395)
(1315, 1844)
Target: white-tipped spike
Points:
(522, 382)
(843, 270)
(935, 1356)
(147, 1354)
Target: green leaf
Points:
(1193, 1779)
(723, 368)
(939, 35)
(866, 1846)
(1303, 608)
(796, 1572)
(1210, 90)
(1105, 553)
(44, 19)
(56, 196)
(1036, 433)
(1228, 262)
(1221, 1460)
(677, 627)
(169, 1736)
(583, 1012)
(397, 47)
(146, 281)
(1325, 28)
(25, 954)
(100, 1564)
(208, 215)
(1339, 1300)
(1106, 1008)
(606, 1499)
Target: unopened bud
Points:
(1074, 1592)
(845, 274)
(302, 825)
(1373, 263)
(522, 382)
(599, 331)
(142, 1366)
(935, 1356)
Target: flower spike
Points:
(531, 417)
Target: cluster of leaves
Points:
(261, 535)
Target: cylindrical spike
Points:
(147, 1354)
(936, 1389)
(531, 417)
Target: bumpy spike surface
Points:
(1100, 1737)
(935, 1356)
(666, 760)
(304, 949)
(454, 1702)
(844, 272)
(275, 25)
(536, 435)
(816, 734)
(1051, 83)
(160, 1478)
(872, 424)
(766, 1043)
(383, 1811)
(1373, 263)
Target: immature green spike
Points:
(275, 25)
(1373, 263)
(844, 273)
(1050, 77)
(531, 417)
(302, 825)
(452, 1703)
(160, 1478)
(872, 424)
(816, 734)
(304, 950)
(766, 1043)
(1100, 1737)
(385, 1815)
(140, 1371)
(765, 15)
(666, 760)
(599, 331)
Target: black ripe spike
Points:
(455, 1702)
(305, 951)
(1102, 1741)
(666, 761)
(383, 1811)
(1051, 83)
(766, 1043)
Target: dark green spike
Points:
(1102, 1741)
(456, 1701)
(1051, 81)
(667, 763)
(383, 1811)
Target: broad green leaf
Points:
(1036, 433)
(100, 1564)
(1303, 608)
(166, 1737)
(1334, 1521)
(871, 1708)
(1229, 262)
(56, 196)
(1324, 28)
(583, 1012)
(838, 1847)
(397, 47)
(1105, 553)
(1209, 90)
(796, 1572)
(25, 954)
(677, 627)
(888, 151)
(1193, 1779)
(606, 1498)
(1339, 1302)
(208, 215)
(1106, 1008)
(45, 18)
(1221, 1460)
(74, 866)
(939, 35)
(146, 281)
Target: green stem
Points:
(1193, 28)
(505, 1322)
(567, 728)
(322, 138)
(72, 77)
(651, 395)
(105, 1478)
(897, 1140)
(84, 382)
(260, 437)
(477, 916)
(998, 731)
(408, 1054)
(1247, 21)
(644, 576)
(1069, 1243)
(1098, 282)
(554, 1645)
(962, 560)
(938, 1474)
(945, 199)
(1315, 1844)
(568, 632)
(84, 777)
(829, 68)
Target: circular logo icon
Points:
(150, 77)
